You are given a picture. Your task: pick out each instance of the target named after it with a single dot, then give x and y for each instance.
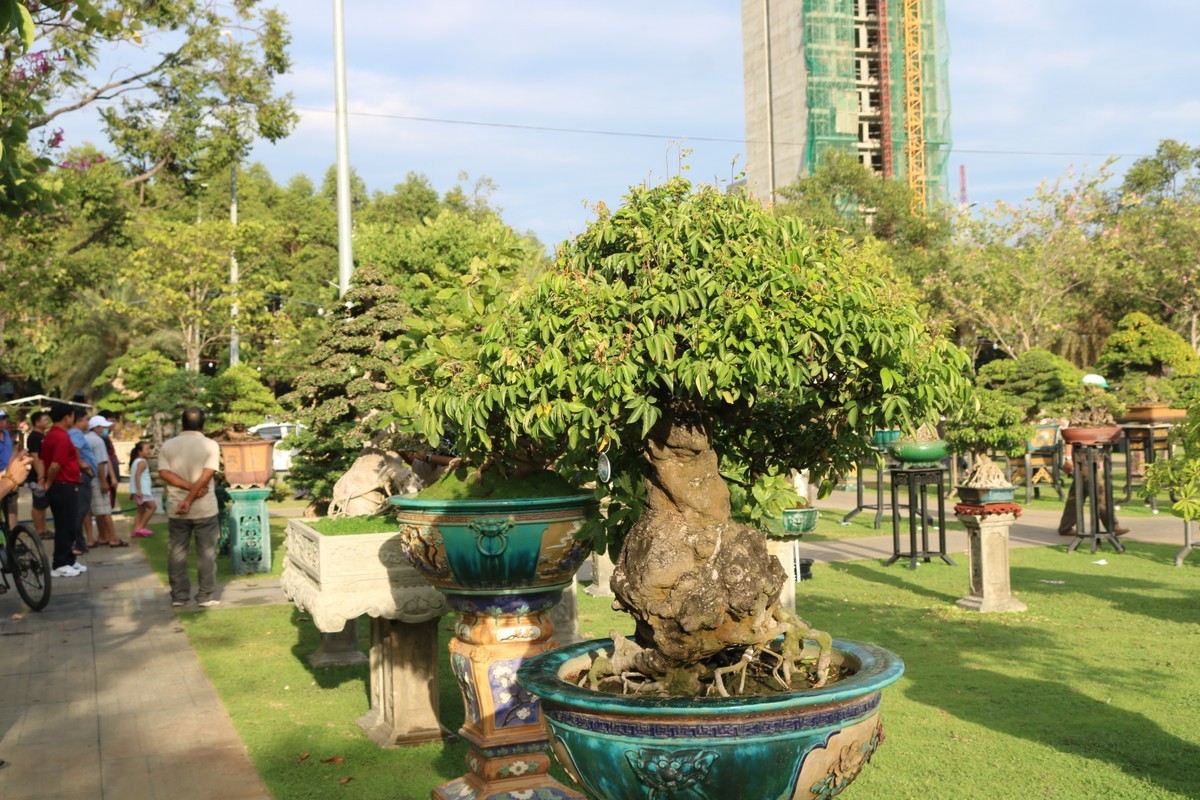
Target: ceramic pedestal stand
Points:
(508, 757)
(502, 565)
(250, 534)
(987, 552)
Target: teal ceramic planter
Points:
(977, 496)
(797, 521)
(916, 454)
(882, 438)
(790, 746)
(494, 547)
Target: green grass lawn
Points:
(1094, 692)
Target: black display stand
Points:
(918, 479)
(1093, 463)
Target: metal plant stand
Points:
(918, 479)
(1093, 466)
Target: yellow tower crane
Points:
(914, 100)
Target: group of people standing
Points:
(75, 477)
(73, 472)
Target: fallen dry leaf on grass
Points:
(305, 756)
(345, 780)
(333, 760)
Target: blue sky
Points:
(1037, 86)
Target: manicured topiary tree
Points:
(687, 327)
(1141, 345)
(1037, 378)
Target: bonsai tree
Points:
(1037, 379)
(1093, 408)
(989, 422)
(687, 327)
(1141, 345)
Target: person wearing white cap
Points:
(106, 532)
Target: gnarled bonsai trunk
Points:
(695, 581)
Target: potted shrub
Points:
(1092, 417)
(687, 327)
(1140, 356)
(990, 423)
(985, 482)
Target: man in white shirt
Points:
(186, 464)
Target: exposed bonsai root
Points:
(758, 668)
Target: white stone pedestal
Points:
(602, 571)
(337, 579)
(987, 554)
(784, 551)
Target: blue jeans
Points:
(179, 538)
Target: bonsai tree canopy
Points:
(691, 324)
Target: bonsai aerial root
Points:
(755, 669)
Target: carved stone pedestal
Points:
(404, 684)
(508, 759)
(987, 553)
(250, 531)
(337, 579)
(338, 649)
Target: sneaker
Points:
(209, 603)
(65, 571)
(1119, 531)
(80, 568)
(178, 603)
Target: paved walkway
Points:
(102, 698)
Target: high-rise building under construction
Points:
(865, 76)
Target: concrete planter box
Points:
(340, 578)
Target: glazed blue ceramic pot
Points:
(805, 745)
(494, 546)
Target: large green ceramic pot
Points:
(918, 454)
(494, 546)
(789, 746)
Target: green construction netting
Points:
(829, 48)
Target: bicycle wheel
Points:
(30, 567)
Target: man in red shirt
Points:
(62, 486)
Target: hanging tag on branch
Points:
(603, 465)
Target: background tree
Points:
(1036, 380)
(182, 275)
(1155, 236)
(1021, 275)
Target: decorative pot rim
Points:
(878, 668)
(487, 506)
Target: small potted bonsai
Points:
(1092, 416)
(985, 482)
(688, 329)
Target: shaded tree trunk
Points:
(695, 581)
